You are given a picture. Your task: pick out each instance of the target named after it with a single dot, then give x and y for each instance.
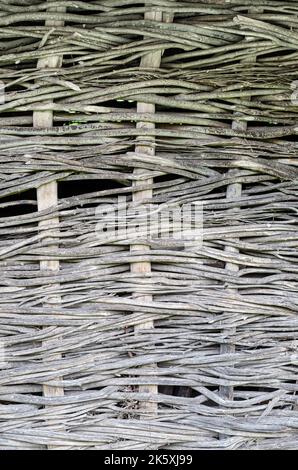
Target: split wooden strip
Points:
(47, 194)
(151, 60)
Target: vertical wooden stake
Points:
(233, 193)
(150, 60)
(47, 194)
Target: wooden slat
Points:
(233, 193)
(47, 194)
(151, 60)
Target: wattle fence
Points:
(146, 341)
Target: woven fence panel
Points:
(147, 342)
